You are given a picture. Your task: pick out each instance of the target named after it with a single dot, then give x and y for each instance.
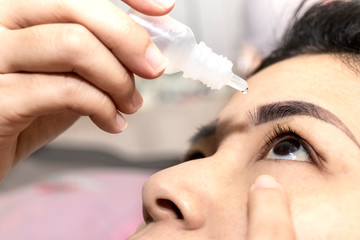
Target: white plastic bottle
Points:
(196, 61)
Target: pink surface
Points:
(89, 204)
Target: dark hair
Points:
(332, 27)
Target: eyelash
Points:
(277, 134)
(280, 133)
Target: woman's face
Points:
(299, 123)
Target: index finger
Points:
(129, 42)
(269, 216)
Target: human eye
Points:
(283, 143)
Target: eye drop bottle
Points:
(196, 61)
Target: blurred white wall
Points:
(266, 21)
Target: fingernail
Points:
(265, 181)
(165, 3)
(155, 58)
(137, 100)
(121, 122)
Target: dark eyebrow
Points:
(280, 110)
(204, 131)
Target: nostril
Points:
(146, 215)
(170, 206)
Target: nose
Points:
(173, 201)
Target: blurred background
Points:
(86, 174)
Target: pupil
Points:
(286, 147)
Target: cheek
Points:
(322, 207)
(293, 176)
(322, 213)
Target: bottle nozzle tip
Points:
(239, 84)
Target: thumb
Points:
(269, 214)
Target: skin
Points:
(216, 196)
(58, 63)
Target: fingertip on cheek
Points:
(265, 182)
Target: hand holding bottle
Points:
(61, 59)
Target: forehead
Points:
(320, 79)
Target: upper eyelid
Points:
(318, 159)
(281, 110)
(271, 125)
(267, 143)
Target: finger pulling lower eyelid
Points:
(265, 181)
